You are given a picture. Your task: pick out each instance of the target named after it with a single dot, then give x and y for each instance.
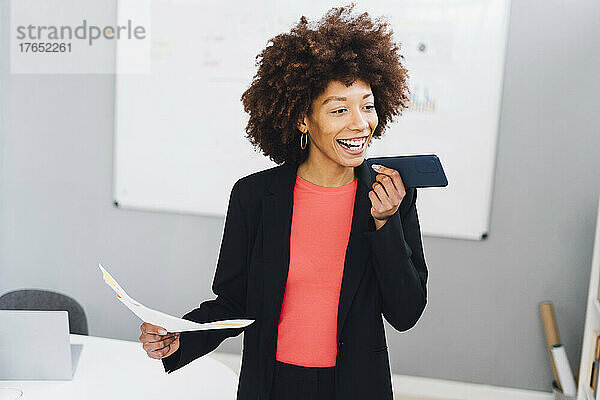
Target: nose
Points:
(358, 122)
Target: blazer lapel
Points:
(277, 222)
(358, 246)
(277, 218)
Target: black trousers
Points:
(295, 382)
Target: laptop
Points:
(35, 345)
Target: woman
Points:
(310, 251)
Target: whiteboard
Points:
(179, 130)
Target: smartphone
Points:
(417, 171)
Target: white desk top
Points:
(117, 369)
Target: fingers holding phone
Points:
(387, 194)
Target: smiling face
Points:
(341, 124)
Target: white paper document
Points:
(169, 322)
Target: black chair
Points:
(45, 300)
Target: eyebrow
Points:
(337, 98)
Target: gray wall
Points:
(481, 324)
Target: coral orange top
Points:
(321, 222)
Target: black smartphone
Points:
(417, 171)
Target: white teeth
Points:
(353, 144)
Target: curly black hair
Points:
(297, 67)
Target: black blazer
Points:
(384, 273)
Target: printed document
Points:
(169, 322)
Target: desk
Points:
(117, 369)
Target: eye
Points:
(341, 110)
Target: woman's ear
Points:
(302, 125)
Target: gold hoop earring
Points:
(305, 136)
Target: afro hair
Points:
(296, 67)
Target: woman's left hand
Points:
(387, 194)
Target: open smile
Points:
(353, 146)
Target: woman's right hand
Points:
(158, 345)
